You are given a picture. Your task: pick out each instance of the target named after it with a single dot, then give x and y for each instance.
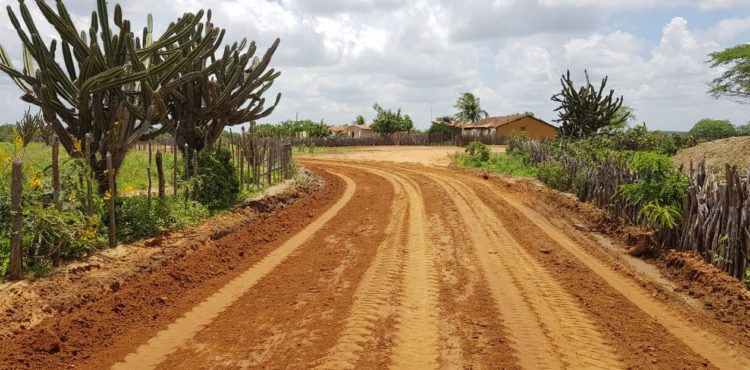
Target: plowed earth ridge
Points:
(410, 267)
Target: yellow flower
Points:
(73, 197)
(77, 146)
(107, 196)
(87, 234)
(35, 179)
(129, 189)
(5, 160)
(17, 141)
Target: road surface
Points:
(401, 266)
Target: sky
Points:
(339, 57)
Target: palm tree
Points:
(469, 110)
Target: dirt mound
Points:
(733, 150)
(25, 304)
(724, 296)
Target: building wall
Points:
(534, 129)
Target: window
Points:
(523, 128)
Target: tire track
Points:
(150, 354)
(417, 335)
(373, 296)
(703, 342)
(549, 328)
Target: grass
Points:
(504, 163)
(319, 150)
(131, 176)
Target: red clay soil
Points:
(134, 312)
(725, 300)
(412, 267)
(298, 311)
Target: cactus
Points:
(112, 85)
(228, 92)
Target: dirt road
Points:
(391, 266)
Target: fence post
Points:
(16, 234)
(112, 195)
(160, 174)
(56, 188)
(148, 173)
(89, 181)
(186, 177)
(174, 162)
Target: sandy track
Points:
(410, 267)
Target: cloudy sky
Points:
(338, 57)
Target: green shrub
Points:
(659, 190)
(216, 185)
(505, 163)
(711, 129)
(135, 220)
(554, 175)
(477, 151)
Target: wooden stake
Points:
(56, 189)
(160, 175)
(112, 196)
(89, 180)
(148, 173)
(16, 234)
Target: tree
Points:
(360, 120)
(735, 81)
(440, 129)
(388, 122)
(29, 126)
(712, 129)
(743, 130)
(227, 90)
(585, 111)
(111, 86)
(469, 109)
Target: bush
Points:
(658, 191)
(440, 129)
(135, 220)
(478, 152)
(710, 129)
(554, 175)
(216, 185)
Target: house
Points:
(535, 128)
(359, 131)
(337, 130)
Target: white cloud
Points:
(339, 57)
(722, 4)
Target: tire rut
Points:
(153, 352)
(549, 329)
(374, 295)
(703, 342)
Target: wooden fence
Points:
(400, 139)
(716, 215)
(259, 162)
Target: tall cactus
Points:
(229, 90)
(112, 84)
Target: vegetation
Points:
(469, 108)
(477, 151)
(29, 126)
(216, 185)
(658, 190)
(360, 120)
(734, 82)
(440, 129)
(227, 89)
(585, 111)
(711, 129)
(110, 89)
(291, 128)
(389, 122)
